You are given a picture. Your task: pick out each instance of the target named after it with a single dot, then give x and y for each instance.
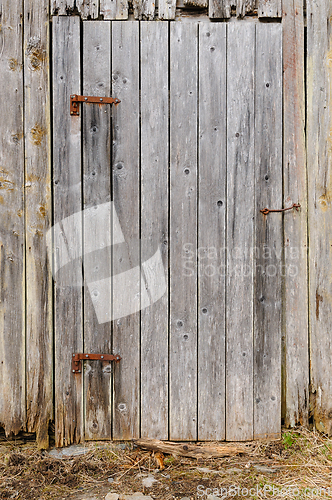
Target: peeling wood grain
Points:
(211, 231)
(270, 8)
(114, 9)
(296, 362)
(319, 121)
(88, 8)
(61, 7)
(67, 201)
(39, 334)
(220, 9)
(144, 9)
(166, 9)
(12, 297)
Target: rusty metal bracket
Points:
(76, 363)
(76, 99)
(266, 211)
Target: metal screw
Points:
(72, 96)
(73, 371)
(102, 357)
(86, 98)
(73, 355)
(87, 355)
(79, 371)
(101, 99)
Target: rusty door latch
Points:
(76, 363)
(266, 211)
(76, 99)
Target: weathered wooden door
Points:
(188, 159)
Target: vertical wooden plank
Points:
(211, 231)
(61, 7)
(319, 122)
(96, 191)
(67, 201)
(240, 221)
(268, 244)
(144, 9)
(154, 224)
(39, 338)
(111, 9)
(126, 186)
(88, 8)
(166, 9)
(296, 362)
(183, 230)
(12, 327)
(220, 9)
(270, 8)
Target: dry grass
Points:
(297, 466)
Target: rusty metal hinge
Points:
(266, 211)
(76, 364)
(76, 99)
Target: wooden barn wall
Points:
(26, 325)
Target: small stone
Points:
(112, 496)
(110, 479)
(70, 451)
(148, 481)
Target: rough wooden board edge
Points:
(38, 210)
(190, 450)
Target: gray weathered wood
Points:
(144, 9)
(67, 201)
(39, 344)
(126, 186)
(61, 7)
(268, 244)
(244, 7)
(240, 231)
(12, 342)
(220, 9)
(296, 362)
(88, 8)
(154, 224)
(114, 9)
(189, 450)
(270, 8)
(211, 234)
(166, 9)
(96, 191)
(183, 230)
(319, 120)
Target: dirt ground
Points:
(297, 466)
